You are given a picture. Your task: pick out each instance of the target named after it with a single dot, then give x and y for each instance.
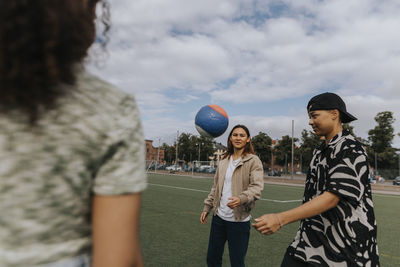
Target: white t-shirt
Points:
(224, 211)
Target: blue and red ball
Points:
(211, 121)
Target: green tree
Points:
(309, 141)
(207, 147)
(188, 147)
(380, 139)
(169, 153)
(283, 151)
(262, 146)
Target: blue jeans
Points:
(237, 234)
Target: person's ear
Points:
(335, 114)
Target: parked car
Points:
(193, 168)
(209, 169)
(153, 166)
(174, 168)
(274, 173)
(161, 167)
(203, 168)
(396, 181)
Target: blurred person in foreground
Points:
(338, 226)
(71, 145)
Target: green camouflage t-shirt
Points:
(91, 144)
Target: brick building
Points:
(154, 153)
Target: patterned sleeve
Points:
(122, 170)
(348, 174)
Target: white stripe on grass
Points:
(388, 194)
(176, 187)
(203, 191)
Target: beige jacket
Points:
(247, 184)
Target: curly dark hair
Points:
(40, 42)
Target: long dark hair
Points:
(40, 42)
(248, 149)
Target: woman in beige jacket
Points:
(238, 183)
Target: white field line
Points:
(386, 194)
(203, 191)
(379, 193)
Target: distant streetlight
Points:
(199, 144)
(158, 154)
(292, 162)
(398, 155)
(301, 162)
(272, 157)
(286, 164)
(272, 154)
(176, 148)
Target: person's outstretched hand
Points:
(267, 224)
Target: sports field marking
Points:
(389, 256)
(281, 201)
(380, 193)
(203, 191)
(182, 188)
(385, 195)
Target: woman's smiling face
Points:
(239, 138)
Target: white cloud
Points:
(255, 51)
(274, 126)
(366, 107)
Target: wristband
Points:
(280, 224)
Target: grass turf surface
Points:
(171, 233)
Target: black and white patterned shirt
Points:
(346, 234)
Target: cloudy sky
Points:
(259, 60)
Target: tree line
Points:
(190, 148)
(379, 148)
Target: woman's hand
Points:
(234, 202)
(267, 224)
(203, 217)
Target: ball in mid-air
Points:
(211, 121)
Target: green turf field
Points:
(172, 235)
